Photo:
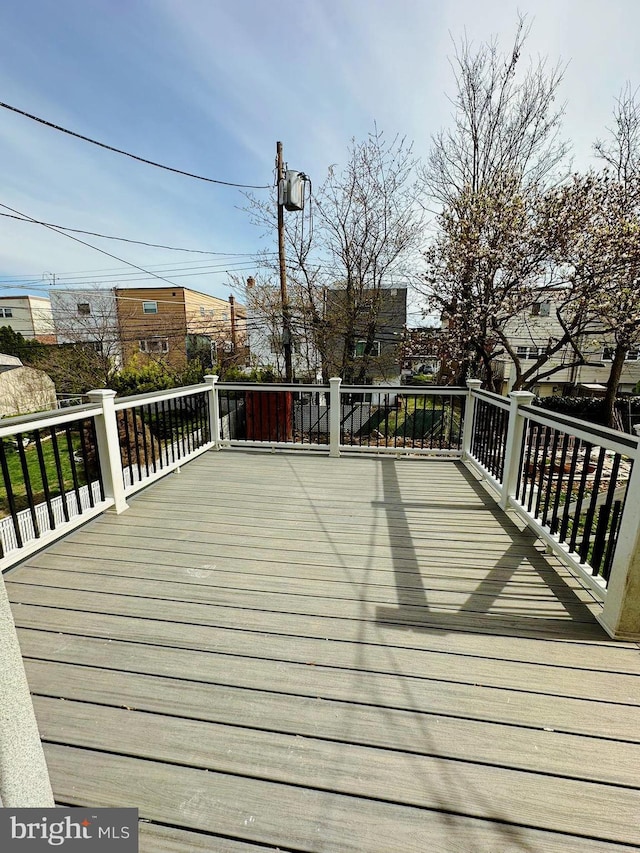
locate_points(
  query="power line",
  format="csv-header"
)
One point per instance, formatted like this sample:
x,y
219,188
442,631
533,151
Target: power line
x,y
121,239
127,154
84,243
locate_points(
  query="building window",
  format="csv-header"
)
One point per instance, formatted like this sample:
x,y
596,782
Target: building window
x,y
84,309
6,312
202,310
149,307
541,309
631,355
361,346
529,352
154,346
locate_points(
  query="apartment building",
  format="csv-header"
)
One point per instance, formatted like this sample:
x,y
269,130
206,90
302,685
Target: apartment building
x,y
529,334
31,316
175,324
89,317
167,324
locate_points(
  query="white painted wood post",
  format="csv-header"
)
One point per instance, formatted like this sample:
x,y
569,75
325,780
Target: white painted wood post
x,y
335,410
513,443
109,447
620,615
24,778
214,410
470,405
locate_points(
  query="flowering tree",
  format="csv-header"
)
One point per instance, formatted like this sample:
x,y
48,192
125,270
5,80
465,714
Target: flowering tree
x,y
489,259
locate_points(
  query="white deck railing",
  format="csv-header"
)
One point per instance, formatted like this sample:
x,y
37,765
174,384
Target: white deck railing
x,y
577,486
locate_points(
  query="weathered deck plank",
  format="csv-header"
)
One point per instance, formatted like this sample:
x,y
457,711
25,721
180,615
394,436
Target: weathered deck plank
x,y
275,651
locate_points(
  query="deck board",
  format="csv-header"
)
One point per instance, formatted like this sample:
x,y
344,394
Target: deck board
x,y
285,651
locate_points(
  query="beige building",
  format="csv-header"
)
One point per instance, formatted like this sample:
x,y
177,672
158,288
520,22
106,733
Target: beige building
x,y
529,335
174,324
31,316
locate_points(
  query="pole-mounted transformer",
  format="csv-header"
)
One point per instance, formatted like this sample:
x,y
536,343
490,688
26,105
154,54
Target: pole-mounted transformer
x,y
292,190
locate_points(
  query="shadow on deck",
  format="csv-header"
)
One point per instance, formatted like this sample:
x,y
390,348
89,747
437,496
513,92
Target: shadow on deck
x,y
290,652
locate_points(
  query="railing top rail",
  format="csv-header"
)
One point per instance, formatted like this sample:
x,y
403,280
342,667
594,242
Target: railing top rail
x,y
155,396
601,436
451,390
495,399
27,423
270,386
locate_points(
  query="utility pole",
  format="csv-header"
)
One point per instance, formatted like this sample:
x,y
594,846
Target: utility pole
x,y
232,316
286,315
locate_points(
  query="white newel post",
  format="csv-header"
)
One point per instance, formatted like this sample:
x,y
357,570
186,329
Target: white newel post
x,y
24,778
470,405
620,615
515,429
214,410
334,416
109,447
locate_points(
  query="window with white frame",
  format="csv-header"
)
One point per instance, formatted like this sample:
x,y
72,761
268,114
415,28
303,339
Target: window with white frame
x,y
361,346
529,352
541,309
149,307
631,355
154,346
6,312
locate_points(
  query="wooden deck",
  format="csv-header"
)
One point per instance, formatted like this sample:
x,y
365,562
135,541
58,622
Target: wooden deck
x,y
297,653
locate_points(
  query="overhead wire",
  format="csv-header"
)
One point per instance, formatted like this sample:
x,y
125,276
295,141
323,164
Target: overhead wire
x,y
104,145
121,239
90,246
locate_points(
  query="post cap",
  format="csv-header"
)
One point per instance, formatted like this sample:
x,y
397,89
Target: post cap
x,y
101,394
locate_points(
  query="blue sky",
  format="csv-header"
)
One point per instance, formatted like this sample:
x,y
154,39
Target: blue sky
x,y
210,85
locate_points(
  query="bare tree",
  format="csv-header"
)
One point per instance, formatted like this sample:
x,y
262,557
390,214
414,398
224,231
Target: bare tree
x,y
366,233
490,259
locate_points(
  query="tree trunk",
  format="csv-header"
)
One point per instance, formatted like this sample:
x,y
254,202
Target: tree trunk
x,y
612,384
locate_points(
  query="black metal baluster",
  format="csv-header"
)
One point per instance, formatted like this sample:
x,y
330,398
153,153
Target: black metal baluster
x,y
527,447
26,479
163,431
613,539
136,438
564,526
179,412
74,473
600,538
145,449
124,414
553,468
94,439
157,433
56,456
11,500
172,430
44,479
555,517
580,496
543,470
85,462
534,473
521,461
588,522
